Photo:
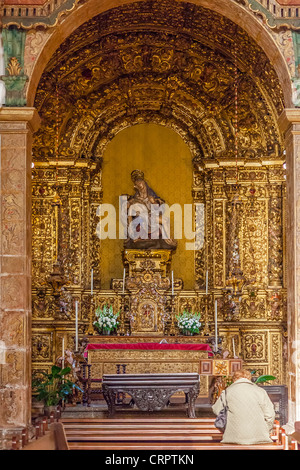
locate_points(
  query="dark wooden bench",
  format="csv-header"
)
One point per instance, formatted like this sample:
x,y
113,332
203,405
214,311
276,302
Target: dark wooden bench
x,y
154,434
151,392
54,439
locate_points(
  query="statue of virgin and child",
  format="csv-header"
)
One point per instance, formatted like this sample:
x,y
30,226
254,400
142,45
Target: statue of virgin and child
x,y
145,218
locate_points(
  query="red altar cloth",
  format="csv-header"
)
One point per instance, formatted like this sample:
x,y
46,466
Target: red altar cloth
x,y
184,347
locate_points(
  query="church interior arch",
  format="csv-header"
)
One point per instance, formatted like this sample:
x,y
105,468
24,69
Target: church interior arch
x,y
179,69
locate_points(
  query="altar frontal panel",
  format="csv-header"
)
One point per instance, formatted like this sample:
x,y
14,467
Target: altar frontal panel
x,y
148,362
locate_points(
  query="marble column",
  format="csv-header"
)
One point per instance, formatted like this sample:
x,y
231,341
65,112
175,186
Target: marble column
x,y
17,126
289,123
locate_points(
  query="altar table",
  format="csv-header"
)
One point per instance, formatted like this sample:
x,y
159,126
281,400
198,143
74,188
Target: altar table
x,y
151,392
148,358
150,346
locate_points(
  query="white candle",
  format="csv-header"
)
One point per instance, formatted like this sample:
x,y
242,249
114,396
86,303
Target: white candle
x,y
216,325
172,283
92,281
233,347
124,281
206,282
63,354
76,325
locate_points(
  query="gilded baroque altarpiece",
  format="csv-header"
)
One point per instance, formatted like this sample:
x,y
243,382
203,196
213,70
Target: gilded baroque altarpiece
x,y
106,78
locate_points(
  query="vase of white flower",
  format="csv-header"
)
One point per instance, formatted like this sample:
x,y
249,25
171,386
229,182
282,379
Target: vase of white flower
x,y
187,332
189,323
106,331
107,320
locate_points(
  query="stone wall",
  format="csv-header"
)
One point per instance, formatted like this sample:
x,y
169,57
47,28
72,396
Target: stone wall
x,y
16,128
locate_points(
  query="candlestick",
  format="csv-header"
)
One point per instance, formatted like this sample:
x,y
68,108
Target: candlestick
x,y
216,325
76,325
172,283
172,330
63,354
206,283
91,330
92,281
206,329
63,357
124,281
121,329
233,347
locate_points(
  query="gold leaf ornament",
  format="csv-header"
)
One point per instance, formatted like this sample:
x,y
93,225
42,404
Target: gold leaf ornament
x,y
14,67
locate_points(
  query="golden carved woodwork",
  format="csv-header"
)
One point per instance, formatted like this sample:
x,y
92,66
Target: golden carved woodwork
x,y
42,345
172,66
220,368
126,79
111,339
14,67
148,286
148,361
140,261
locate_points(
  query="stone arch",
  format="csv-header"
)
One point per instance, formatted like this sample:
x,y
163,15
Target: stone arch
x,y
228,8
112,74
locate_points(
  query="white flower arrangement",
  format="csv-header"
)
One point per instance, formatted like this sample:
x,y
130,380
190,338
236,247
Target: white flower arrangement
x,y
189,321
107,320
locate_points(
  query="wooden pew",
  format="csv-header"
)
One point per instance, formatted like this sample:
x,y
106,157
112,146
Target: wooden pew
x,y
151,434
113,446
52,439
151,392
295,436
157,433
287,441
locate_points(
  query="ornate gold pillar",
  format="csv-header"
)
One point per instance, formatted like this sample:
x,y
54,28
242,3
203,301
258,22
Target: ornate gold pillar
x,y
289,123
16,128
275,267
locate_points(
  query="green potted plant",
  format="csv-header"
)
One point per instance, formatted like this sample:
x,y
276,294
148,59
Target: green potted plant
x,y
54,387
262,379
107,320
189,323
